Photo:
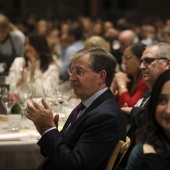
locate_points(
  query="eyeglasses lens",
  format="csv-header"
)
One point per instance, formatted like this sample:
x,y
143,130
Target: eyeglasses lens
x,y
147,61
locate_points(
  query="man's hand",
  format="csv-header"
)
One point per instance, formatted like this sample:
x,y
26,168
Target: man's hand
x,y
41,115
127,110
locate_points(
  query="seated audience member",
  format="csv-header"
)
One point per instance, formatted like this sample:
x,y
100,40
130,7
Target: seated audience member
x,y
42,27
96,41
54,42
130,85
165,34
153,152
11,42
88,141
148,34
37,71
75,43
125,39
98,28
154,61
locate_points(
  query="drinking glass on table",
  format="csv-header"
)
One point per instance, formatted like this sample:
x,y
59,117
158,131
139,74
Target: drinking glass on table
x,y
14,120
7,101
60,101
23,98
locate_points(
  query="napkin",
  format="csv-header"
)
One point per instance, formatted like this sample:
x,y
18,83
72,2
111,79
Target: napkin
x,y
19,136
22,135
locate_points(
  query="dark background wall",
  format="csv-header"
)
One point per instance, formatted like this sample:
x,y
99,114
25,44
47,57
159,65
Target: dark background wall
x,y
105,9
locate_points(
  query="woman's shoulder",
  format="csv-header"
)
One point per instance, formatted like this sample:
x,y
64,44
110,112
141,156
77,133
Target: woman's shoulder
x,y
147,148
137,150
17,63
135,158
17,34
154,161
53,66
144,157
53,69
19,60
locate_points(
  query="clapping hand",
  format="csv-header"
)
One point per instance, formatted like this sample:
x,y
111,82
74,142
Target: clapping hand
x,y
41,115
24,72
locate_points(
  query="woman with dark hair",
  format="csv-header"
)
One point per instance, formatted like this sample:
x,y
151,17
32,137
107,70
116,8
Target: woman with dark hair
x,y
154,150
130,85
37,71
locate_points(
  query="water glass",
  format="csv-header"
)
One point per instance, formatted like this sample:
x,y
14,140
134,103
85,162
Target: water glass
x,y
14,122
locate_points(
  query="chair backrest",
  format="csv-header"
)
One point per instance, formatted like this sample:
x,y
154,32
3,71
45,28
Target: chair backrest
x,y
117,154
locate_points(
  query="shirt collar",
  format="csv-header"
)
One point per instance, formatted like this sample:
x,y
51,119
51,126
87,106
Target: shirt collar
x,y
92,98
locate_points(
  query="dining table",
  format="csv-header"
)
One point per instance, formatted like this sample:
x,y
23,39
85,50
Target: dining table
x,y
19,149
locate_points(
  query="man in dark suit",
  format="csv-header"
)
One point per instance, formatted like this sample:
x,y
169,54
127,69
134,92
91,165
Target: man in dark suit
x,y
86,143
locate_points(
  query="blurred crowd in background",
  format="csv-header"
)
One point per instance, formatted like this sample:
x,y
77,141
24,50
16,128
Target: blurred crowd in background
x,y
35,54
67,36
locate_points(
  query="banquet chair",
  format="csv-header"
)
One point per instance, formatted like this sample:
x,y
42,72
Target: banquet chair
x,y
118,154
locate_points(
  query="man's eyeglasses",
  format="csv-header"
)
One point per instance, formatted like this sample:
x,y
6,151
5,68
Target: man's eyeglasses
x,y
148,61
78,71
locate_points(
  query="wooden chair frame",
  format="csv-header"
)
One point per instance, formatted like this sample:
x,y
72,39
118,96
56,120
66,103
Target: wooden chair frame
x,y
118,153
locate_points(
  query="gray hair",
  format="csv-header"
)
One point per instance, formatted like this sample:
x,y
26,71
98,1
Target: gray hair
x,y
163,49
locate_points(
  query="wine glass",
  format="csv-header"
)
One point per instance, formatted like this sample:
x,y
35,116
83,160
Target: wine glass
x,y
60,100
7,101
23,98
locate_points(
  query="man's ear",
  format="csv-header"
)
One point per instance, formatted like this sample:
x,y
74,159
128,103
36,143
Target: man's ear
x,y
168,63
102,77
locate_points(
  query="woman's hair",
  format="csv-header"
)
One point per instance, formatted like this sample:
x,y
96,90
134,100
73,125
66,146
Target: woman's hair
x,y
152,133
166,30
137,49
5,24
96,41
40,44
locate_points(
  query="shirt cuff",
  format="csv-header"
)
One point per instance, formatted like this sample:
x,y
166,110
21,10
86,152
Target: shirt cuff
x,y
49,130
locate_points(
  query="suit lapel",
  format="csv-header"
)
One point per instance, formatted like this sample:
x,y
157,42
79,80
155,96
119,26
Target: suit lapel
x,y
106,95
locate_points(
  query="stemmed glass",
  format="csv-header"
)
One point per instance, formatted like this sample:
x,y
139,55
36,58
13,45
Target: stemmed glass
x,y
23,98
7,101
60,101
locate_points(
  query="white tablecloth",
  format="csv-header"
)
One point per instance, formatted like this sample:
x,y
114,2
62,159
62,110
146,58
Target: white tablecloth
x,y
19,150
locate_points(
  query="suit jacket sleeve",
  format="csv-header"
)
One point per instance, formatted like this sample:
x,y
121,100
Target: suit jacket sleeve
x,y
89,144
